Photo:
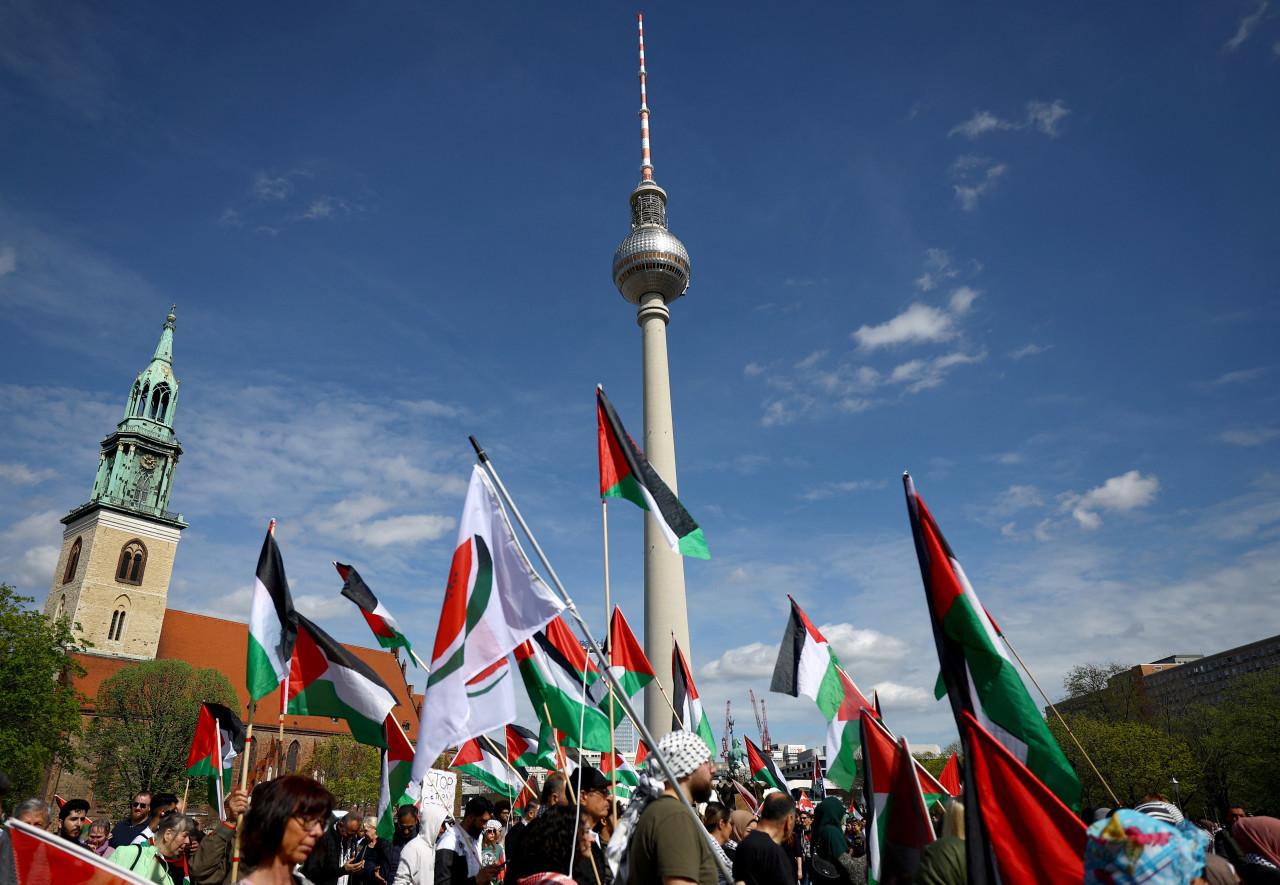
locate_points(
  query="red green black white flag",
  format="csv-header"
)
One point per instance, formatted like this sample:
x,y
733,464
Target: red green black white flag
x,y
218,739
763,768
626,473
385,628
272,629
684,697
327,680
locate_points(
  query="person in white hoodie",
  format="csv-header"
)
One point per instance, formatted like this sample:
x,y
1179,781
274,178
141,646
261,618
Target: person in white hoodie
x,y
418,860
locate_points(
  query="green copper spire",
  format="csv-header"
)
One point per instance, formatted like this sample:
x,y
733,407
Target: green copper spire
x,y
135,471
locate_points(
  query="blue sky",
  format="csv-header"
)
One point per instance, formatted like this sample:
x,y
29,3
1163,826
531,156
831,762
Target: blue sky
x,y
1027,253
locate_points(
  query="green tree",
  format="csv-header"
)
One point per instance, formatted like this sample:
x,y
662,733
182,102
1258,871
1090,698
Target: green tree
x,y
145,720
351,771
1246,732
1106,692
41,721
1135,758
934,763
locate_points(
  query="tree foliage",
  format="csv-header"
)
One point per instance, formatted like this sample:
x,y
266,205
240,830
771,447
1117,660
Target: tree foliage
x,y
41,719
351,771
1136,759
1246,736
146,719
1106,692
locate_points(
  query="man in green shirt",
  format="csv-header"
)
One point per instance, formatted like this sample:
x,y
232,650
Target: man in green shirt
x,y
669,846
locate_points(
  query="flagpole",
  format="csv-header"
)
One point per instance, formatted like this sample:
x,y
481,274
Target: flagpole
x,y
244,785
645,734
284,686
488,740
186,791
608,644
413,654
1074,739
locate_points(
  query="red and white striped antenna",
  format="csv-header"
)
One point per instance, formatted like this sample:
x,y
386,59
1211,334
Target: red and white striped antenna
x,y
646,164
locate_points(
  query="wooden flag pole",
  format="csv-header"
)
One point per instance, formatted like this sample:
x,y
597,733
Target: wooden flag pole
x,y
488,740
564,759
608,644
244,785
186,791
662,691
414,655
1074,739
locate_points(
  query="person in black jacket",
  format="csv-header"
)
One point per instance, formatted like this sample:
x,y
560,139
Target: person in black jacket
x,y
334,861
458,851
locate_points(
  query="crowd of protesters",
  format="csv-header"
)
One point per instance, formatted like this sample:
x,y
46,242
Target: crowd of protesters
x,y
574,833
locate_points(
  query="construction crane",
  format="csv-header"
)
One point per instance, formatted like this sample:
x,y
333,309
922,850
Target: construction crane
x,y
755,708
764,734
726,741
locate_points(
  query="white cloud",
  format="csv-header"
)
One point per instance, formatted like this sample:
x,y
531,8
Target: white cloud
x,y
852,645
1029,350
937,269
270,188
753,661
1254,436
8,261
1017,497
975,176
919,323
892,695
1240,376
22,475
980,123
752,369
1245,30
412,528
1118,494
1046,117
831,489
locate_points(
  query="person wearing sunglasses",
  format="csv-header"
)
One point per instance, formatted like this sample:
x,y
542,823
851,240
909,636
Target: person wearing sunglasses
x,y
130,828
285,821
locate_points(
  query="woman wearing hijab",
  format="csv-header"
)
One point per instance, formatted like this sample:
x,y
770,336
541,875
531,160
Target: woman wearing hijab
x,y
830,844
1259,839
418,859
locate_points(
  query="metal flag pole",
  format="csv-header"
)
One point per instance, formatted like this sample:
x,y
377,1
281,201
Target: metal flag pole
x,y
1074,739
608,644
595,648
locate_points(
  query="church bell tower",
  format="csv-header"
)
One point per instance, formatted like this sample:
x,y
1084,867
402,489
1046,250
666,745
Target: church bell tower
x,y
117,552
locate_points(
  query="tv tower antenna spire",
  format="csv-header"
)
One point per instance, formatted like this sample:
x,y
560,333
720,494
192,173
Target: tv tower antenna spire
x,y
646,161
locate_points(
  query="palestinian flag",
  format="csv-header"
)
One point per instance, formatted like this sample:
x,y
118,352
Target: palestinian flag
x,y
385,628
565,686
819,784
950,777
530,791
626,473
481,759
979,676
807,665
272,630
1031,834
932,791
218,739
747,797
615,767
397,774
642,755
525,748
327,680
627,661
684,697
764,769
899,828
494,601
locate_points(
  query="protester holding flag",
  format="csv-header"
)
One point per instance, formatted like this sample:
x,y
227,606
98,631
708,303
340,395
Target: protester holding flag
x,y
212,862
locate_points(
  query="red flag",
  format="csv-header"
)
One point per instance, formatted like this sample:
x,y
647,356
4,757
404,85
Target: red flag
x,y
804,803
747,797
1033,835
950,777
529,792
40,856
898,826
625,651
642,752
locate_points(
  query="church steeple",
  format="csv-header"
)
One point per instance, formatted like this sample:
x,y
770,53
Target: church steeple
x,y
136,469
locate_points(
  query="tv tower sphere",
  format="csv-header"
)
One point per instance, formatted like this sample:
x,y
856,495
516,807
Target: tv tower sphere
x,y
651,259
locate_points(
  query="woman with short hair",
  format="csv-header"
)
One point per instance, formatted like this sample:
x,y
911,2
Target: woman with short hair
x,y
284,823
96,840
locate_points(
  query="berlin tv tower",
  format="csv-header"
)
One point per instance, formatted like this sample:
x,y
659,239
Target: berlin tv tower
x,y
651,269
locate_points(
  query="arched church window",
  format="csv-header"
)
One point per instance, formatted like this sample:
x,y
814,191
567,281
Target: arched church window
x,y
116,631
133,563
73,562
159,402
142,402
291,762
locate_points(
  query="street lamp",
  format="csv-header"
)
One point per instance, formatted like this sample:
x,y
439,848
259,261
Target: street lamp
x,y
1173,782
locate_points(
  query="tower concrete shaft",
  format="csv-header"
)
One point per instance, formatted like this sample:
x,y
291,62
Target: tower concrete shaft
x,y
665,609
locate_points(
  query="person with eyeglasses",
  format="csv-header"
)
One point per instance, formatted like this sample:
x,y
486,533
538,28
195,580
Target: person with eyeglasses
x,y
285,822
596,802
161,804
129,829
